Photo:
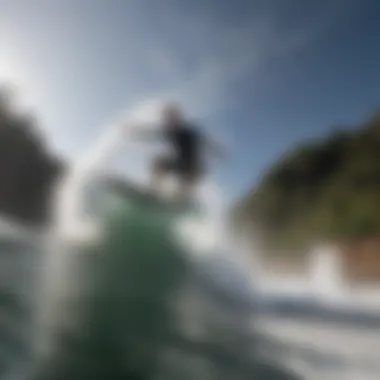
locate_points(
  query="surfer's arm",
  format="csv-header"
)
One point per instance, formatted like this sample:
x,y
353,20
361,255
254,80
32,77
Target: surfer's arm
x,y
144,133
216,148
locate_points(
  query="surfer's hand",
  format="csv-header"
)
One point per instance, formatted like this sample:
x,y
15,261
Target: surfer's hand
x,y
141,132
217,149
131,131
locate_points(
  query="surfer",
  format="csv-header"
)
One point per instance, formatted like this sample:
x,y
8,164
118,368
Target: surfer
x,y
188,143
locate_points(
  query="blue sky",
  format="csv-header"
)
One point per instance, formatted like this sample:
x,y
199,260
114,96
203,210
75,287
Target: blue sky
x,y
263,74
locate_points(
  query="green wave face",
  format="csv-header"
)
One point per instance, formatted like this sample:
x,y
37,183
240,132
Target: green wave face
x,y
112,313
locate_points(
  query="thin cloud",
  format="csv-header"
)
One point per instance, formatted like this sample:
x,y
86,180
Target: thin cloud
x,y
200,65
202,68
193,52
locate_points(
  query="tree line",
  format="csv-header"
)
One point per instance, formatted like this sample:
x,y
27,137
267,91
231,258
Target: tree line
x,y
27,170
327,190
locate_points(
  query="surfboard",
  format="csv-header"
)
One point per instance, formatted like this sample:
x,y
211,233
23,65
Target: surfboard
x,y
141,194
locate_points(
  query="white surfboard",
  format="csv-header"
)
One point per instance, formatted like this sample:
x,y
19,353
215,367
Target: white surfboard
x,y
147,196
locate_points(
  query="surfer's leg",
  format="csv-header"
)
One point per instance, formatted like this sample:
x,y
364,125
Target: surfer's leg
x,y
189,179
161,167
185,189
157,173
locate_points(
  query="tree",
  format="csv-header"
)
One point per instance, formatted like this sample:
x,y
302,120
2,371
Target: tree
x,y
27,170
326,190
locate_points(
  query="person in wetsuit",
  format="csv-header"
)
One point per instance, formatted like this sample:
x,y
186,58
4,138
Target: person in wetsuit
x,y
189,146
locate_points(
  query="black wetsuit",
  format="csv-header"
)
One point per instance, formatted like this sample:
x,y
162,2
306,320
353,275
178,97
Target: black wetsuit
x,y
187,143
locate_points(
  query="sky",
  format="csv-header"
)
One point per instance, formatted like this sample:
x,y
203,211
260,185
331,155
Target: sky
x,y
262,75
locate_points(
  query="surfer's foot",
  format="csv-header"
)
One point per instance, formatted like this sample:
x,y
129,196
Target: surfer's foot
x,y
180,198
156,180
183,194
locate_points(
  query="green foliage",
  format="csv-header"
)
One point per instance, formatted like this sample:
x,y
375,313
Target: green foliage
x,y
27,171
329,190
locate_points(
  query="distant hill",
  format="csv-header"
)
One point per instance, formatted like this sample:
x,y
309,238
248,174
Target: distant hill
x,y
327,190
27,170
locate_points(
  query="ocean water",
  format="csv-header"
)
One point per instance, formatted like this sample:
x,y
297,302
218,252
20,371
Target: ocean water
x,y
206,338
133,306
318,349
